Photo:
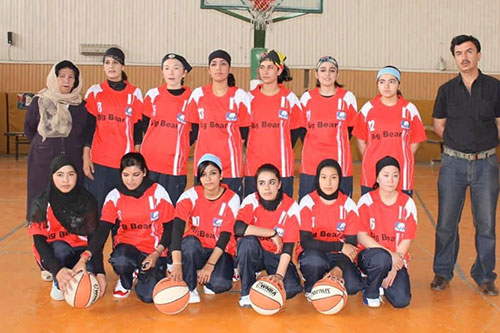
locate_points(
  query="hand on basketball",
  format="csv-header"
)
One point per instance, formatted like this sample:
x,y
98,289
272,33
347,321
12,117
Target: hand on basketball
x,y
350,251
278,242
335,274
389,279
397,260
64,276
276,278
150,261
176,272
101,279
88,166
205,273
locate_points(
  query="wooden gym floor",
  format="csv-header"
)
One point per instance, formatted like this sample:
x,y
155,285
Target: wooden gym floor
x,y
27,307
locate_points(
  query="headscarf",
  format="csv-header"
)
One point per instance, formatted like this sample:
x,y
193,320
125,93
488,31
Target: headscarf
x,y
181,59
270,205
135,159
219,54
275,57
75,210
321,165
391,70
55,118
382,163
329,59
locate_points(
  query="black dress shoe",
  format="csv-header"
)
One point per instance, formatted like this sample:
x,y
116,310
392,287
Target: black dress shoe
x,y
489,288
439,283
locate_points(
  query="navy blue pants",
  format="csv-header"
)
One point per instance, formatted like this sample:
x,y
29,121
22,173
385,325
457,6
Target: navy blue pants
x,y
376,263
125,259
286,185
175,185
253,258
195,256
307,185
105,179
314,264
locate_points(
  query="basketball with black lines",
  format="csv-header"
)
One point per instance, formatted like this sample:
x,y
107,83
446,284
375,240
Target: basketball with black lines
x,y
267,297
83,292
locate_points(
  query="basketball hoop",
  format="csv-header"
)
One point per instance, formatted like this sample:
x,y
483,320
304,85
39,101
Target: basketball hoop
x,y
261,11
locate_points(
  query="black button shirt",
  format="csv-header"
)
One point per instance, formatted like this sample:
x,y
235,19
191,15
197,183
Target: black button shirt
x,y
470,117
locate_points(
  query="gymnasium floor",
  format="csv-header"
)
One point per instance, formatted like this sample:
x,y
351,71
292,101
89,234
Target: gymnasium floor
x,y
27,307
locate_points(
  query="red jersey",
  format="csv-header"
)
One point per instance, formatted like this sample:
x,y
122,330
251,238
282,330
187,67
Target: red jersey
x,y
388,225
269,138
328,223
141,219
206,219
327,120
389,130
285,219
54,231
166,142
220,119
116,113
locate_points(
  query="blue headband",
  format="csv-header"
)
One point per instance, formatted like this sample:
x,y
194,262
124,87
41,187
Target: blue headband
x,y
391,71
210,158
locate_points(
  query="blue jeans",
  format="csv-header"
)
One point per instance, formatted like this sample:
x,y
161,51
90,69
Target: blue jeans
x,y
455,176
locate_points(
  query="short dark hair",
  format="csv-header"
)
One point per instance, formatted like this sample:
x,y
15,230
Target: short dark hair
x,y
133,159
460,39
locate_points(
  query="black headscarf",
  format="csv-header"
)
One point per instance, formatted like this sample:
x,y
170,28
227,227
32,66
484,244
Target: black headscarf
x,y
321,165
139,191
219,54
75,210
178,57
134,159
382,163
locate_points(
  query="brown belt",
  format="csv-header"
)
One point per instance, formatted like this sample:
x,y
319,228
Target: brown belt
x,y
469,156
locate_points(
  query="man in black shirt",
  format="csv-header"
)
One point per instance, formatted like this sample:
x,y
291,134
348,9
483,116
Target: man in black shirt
x,y
467,116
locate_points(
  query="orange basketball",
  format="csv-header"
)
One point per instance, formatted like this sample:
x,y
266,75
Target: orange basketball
x,y
170,297
84,291
328,296
267,297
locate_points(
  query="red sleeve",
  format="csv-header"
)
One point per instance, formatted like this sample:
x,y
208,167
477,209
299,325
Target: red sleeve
x,y
245,214
137,107
306,219
364,219
36,228
230,214
291,234
297,119
183,209
91,104
351,116
167,211
147,108
192,112
360,131
411,228
417,133
109,211
352,223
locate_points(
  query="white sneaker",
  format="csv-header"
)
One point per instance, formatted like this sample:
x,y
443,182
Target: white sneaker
x,y
46,276
381,291
308,296
194,297
208,291
236,275
120,291
371,302
56,293
245,301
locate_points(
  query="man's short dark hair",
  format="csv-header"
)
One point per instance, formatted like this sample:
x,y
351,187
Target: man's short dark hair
x,y
457,40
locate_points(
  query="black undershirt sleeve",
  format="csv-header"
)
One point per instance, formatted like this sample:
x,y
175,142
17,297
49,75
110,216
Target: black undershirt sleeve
x,y
239,228
98,239
193,135
296,134
343,262
288,248
177,233
351,239
308,242
47,258
349,130
244,135
138,132
89,130
166,237
223,240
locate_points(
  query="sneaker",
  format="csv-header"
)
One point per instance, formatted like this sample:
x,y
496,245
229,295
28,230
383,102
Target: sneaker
x,y
308,296
208,291
135,275
381,291
46,276
236,275
120,291
245,301
194,297
56,293
371,302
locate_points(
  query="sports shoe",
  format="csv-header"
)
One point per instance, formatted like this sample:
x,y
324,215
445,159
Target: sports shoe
x,y
371,302
245,301
208,291
46,276
194,297
236,275
308,296
56,293
120,291
381,291
135,275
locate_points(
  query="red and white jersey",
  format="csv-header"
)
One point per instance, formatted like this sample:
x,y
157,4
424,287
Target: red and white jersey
x,y
166,142
389,130
285,219
54,231
206,219
141,219
328,223
220,119
388,225
116,113
269,138
327,120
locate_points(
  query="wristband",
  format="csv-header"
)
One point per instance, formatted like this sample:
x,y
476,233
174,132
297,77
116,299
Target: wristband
x,y
86,254
177,263
275,233
209,263
281,276
159,253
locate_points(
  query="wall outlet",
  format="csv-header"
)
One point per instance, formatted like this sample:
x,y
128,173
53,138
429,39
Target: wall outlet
x,y
9,37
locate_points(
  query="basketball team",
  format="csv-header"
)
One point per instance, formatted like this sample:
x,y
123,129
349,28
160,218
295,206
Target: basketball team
x,y
116,163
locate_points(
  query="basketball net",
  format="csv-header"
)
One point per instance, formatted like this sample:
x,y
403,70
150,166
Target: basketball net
x,y
261,11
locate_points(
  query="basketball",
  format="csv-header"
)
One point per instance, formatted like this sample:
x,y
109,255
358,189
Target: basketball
x,y
84,291
328,296
267,297
170,297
